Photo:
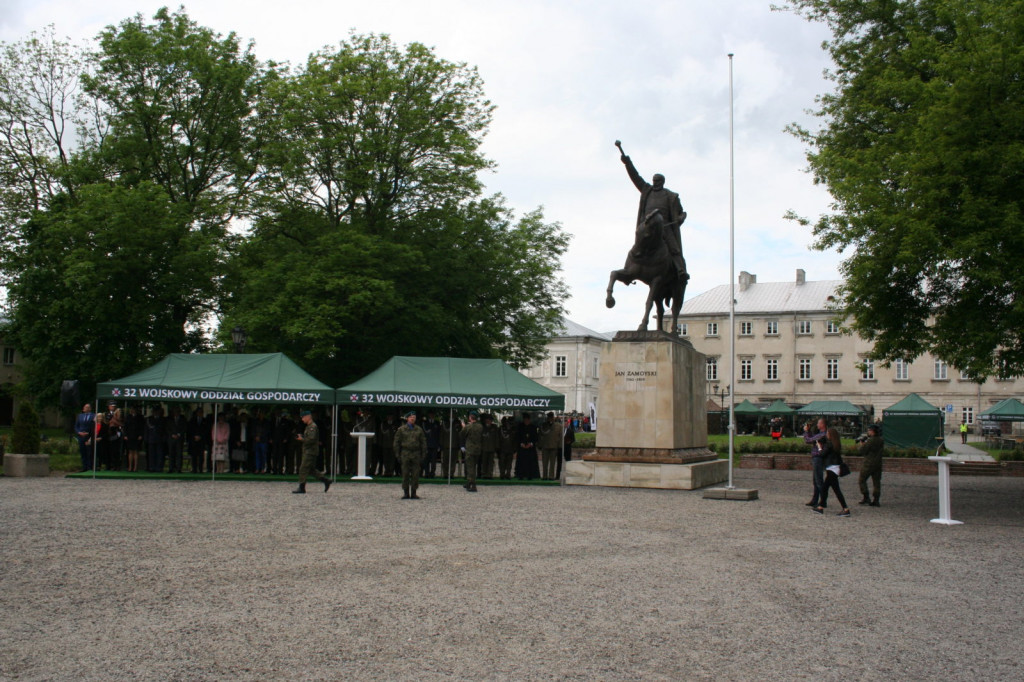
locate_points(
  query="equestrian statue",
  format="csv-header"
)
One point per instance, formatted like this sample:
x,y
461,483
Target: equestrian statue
x,y
656,258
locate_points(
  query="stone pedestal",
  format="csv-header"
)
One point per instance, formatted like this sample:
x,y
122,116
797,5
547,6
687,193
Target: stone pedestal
x,y
26,465
652,395
652,430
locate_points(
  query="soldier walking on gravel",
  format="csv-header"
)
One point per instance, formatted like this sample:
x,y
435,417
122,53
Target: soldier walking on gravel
x,y
310,439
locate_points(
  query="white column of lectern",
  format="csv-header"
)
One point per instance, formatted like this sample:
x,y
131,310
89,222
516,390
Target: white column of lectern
x,y
361,470
944,514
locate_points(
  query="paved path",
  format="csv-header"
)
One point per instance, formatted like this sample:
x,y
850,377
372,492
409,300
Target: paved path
x,y
965,453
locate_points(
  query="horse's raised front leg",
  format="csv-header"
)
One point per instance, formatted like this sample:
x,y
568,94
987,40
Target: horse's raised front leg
x,y
616,276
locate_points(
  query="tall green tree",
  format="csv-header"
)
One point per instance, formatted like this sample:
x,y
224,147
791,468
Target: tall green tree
x,y
119,258
374,239
922,149
96,297
45,119
181,102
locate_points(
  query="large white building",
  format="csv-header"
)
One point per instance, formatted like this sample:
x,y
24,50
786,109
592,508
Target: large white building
x,y
572,366
790,346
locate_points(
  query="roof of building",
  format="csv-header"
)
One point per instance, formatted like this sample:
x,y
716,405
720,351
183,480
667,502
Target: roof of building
x,y
765,297
570,329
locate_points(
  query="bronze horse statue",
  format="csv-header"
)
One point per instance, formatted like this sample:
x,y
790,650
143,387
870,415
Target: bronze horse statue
x,y
650,262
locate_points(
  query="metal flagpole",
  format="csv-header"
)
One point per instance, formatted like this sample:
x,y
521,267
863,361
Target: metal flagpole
x,y
732,283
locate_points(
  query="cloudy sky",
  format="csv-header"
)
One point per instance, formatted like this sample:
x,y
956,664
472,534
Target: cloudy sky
x,y
569,78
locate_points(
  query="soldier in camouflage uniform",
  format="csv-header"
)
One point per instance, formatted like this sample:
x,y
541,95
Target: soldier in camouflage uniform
x,y
310,442
550,445
410,447
872,451
472,444
489,445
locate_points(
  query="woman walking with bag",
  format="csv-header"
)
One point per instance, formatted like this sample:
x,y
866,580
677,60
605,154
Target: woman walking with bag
x,y
832,459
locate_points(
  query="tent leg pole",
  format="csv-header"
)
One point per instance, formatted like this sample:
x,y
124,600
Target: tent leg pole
x,y
334,444
213,440
95,445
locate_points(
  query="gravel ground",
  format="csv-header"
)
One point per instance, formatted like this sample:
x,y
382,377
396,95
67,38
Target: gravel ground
x,y
172,580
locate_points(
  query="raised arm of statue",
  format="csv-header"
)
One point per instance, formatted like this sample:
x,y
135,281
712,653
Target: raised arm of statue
x,y
638,181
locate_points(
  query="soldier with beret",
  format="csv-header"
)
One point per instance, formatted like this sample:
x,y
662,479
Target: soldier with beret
x,y
410,447
309,440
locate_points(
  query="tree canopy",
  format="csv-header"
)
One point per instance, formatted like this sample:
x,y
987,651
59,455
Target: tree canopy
x,y
164,185
922,149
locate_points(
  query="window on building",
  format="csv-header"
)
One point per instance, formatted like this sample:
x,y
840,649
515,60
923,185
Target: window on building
x,y
561,366
712,369
964,376
772,328
941,370
902,368
771,369
597,368
831,327
967,415
803,327
683,328
8,356
832,369
746,328
867,372
746,369
712,329
804,368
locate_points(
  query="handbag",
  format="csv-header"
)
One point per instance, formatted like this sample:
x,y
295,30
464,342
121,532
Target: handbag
x,y
844,469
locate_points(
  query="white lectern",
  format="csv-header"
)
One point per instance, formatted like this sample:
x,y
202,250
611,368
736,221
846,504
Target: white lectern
x,y
361,465
944,517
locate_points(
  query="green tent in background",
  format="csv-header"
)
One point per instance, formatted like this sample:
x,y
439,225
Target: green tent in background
x,y
456,383
1008,410
747,407
912,423
831,408
778,409
268,378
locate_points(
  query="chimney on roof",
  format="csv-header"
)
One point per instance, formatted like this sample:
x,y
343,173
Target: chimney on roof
x,y
801,276
746,279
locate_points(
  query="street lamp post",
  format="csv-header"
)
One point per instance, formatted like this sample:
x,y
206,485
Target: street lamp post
x,y
239,337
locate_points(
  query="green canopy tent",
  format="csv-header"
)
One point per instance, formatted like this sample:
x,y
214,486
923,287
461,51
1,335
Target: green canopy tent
x,y
450,383
1008,410
747,408
258,378
912,423
778,409
830,408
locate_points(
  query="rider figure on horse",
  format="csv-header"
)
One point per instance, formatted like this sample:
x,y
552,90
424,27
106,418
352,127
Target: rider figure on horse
x,y
655,196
